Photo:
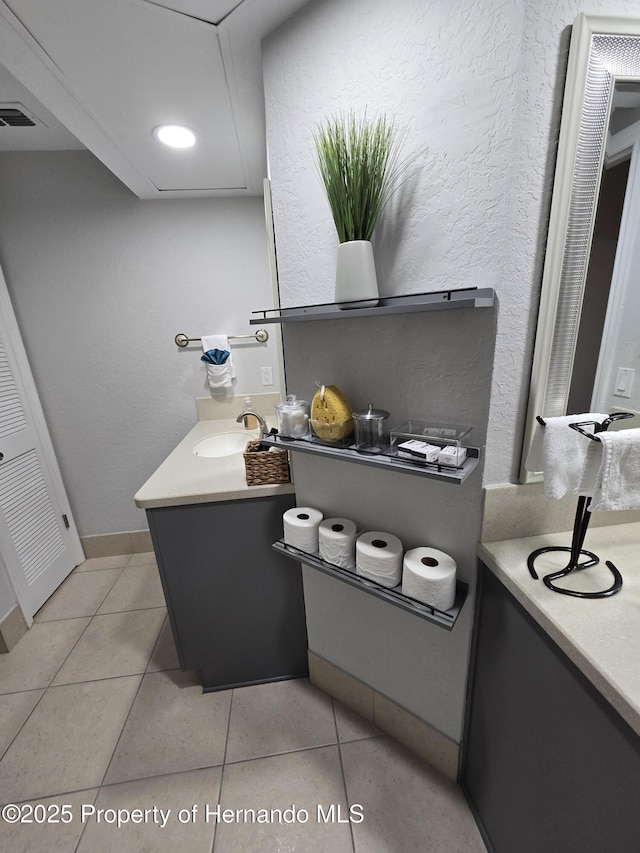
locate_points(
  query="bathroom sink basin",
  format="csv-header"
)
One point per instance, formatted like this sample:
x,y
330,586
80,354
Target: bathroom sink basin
x,y
224,444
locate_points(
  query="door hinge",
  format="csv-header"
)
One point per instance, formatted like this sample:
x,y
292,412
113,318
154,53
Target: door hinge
x,y
66,521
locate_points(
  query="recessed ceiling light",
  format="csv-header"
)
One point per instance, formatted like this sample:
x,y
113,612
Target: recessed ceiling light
x,y
175,135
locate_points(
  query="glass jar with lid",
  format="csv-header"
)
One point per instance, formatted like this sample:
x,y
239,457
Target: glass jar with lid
x,y
372,432
293,417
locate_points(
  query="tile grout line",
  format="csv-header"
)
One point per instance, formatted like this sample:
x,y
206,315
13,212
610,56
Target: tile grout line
x,y
46,688
224,764
84,828
344,780
24,722
115,580
90,616
126,720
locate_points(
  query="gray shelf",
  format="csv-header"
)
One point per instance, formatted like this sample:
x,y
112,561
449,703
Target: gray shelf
x,y
456,476
441,300
443,618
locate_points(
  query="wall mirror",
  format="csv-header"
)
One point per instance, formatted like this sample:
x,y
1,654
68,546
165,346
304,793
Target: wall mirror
x,y
587,348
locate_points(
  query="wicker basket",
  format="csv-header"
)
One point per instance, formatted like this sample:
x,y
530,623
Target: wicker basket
x,y
263,467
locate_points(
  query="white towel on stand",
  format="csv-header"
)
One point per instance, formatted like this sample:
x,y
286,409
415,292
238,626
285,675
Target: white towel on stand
x,y
219,375
591,470
564,453
618,485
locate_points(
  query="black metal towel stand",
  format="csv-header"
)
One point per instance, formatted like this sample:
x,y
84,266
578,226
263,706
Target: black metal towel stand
x,y
580,525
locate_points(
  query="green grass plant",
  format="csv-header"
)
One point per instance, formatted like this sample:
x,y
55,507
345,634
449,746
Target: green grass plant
x,y
360,166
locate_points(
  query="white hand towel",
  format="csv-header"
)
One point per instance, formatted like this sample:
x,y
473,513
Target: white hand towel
x,y
591,470
618,484
219,375
564,454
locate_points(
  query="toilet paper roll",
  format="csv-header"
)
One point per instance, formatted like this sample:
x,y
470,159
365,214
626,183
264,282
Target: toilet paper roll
x,y
301,528
337,542
429,576
379,558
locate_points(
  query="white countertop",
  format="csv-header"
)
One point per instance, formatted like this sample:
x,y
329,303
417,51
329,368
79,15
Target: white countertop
x,y
184,478
601,636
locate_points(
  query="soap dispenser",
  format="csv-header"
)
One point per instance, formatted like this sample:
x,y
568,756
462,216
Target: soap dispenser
x,y
250,421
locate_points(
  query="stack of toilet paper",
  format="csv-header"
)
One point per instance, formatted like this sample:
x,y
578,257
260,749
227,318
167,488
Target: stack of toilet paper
x,y
337,542
379,558
429,576
301,528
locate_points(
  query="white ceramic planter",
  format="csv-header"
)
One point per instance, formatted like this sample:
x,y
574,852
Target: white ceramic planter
x,y
356,275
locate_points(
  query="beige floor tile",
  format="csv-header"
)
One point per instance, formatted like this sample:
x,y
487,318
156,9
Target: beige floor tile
x,y
164,655
270,718
172,726
175,794
34,661
307,779
137,588
95,564
60,837
351,726
67,742
146,558
14,710
113,645
407,805
79,595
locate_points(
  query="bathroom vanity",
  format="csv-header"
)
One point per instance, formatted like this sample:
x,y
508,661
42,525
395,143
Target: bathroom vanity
x,y
553,722
236,607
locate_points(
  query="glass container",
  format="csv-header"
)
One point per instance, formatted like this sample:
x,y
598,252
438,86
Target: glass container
x,y
293,417
372,433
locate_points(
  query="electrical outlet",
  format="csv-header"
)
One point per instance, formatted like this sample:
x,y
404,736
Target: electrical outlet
x,y
267,375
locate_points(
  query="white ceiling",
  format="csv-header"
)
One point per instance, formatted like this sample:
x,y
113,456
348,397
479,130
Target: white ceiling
x,y
102,74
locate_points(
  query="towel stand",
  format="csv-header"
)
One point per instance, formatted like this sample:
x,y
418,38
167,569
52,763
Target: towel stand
x,y
580,525
262,336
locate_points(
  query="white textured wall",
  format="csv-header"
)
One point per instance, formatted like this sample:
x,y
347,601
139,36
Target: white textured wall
x,y
480,83
419,61
542,65
101,282
448,77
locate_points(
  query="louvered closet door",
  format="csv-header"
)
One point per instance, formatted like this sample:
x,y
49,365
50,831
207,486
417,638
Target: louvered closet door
x,y
36,546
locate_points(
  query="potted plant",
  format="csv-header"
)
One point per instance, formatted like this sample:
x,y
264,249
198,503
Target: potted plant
x,y
360,166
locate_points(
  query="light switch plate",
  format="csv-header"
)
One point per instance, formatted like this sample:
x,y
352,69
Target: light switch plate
x,y
624,382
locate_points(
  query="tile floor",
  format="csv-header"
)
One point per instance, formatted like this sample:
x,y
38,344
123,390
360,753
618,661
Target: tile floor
x,y
98,725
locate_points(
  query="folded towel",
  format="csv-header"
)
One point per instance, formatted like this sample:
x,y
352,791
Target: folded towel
x,y
564,454
215,356
219,375
618,485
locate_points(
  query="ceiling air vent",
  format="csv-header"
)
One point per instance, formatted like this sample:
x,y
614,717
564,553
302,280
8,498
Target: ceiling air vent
x,y
15,115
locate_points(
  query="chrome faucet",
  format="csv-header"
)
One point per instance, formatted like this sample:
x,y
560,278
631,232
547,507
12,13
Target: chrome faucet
x,y
263,426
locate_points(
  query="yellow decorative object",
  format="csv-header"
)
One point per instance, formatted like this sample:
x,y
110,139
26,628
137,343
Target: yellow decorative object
x,y
331,415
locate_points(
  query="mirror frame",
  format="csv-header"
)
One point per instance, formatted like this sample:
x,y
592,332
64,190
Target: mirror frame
x,y
603,51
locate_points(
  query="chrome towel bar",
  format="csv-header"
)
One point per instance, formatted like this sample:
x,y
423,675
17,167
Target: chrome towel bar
x,y
262,336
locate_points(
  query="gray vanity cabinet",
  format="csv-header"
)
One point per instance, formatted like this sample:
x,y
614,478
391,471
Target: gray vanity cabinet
x,y
550,766
236,606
